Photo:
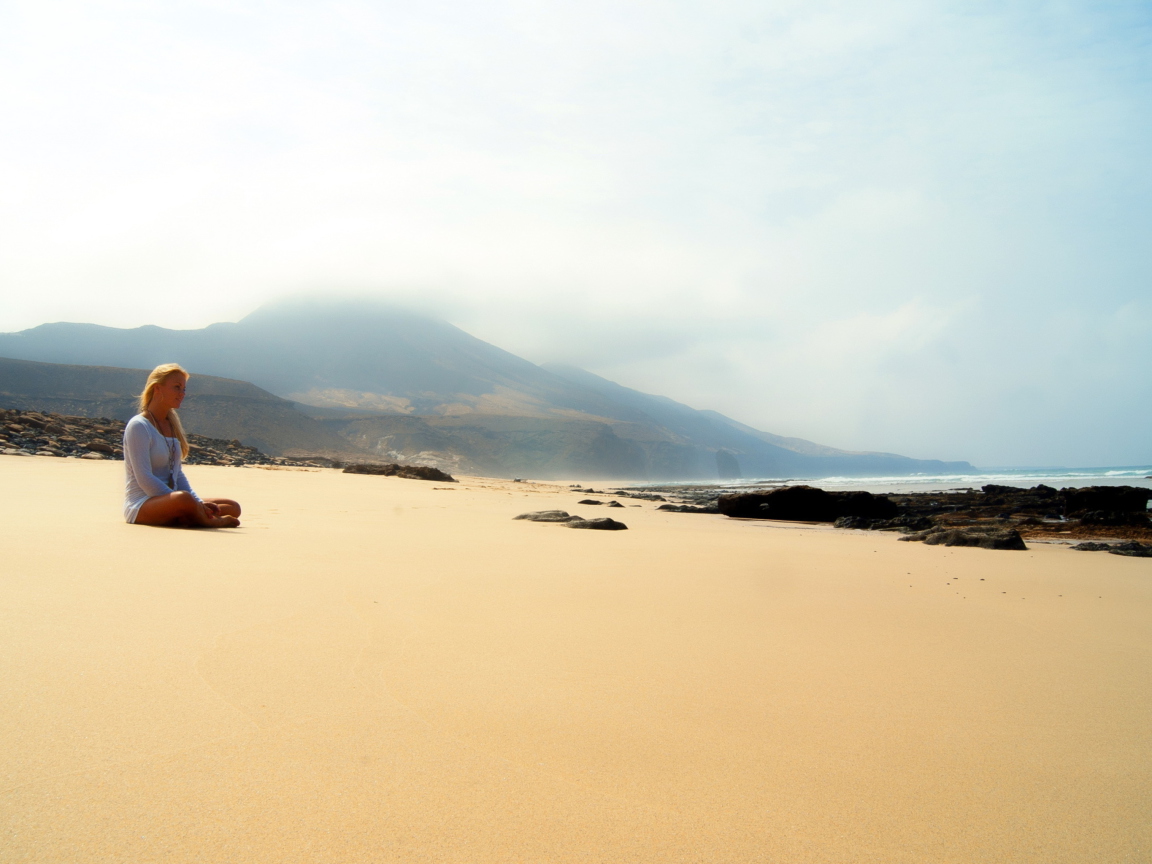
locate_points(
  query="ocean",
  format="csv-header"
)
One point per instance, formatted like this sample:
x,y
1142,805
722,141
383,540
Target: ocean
x,y
1140,475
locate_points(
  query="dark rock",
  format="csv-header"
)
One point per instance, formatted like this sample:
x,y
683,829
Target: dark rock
x,y
986,539
803,503
905,523
99,447
547,516
806,504
604,524
1112,499
1132,548
615,504
898,523
993,489
589,501
865,504
688,508
409,472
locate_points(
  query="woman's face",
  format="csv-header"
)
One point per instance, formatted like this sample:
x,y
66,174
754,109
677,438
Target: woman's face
x,y
169,393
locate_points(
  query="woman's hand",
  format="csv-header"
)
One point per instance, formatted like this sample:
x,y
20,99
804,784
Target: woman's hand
x,y
211,509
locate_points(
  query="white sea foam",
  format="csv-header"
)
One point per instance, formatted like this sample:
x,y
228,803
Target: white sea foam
x,y
1022,477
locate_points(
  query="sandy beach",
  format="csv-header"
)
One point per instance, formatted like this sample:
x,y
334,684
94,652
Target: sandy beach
x,y
374,669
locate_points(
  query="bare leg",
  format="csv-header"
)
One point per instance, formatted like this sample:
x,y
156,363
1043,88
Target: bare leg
x,y
227,506
180,508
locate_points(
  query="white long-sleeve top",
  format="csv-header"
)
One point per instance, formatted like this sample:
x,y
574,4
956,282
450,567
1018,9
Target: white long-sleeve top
x,y
150,461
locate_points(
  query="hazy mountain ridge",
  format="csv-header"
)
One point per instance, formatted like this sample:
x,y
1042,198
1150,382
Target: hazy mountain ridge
x,y
403,386
323,349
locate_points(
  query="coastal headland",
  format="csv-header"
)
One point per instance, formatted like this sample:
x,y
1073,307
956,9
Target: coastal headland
x,y
381,669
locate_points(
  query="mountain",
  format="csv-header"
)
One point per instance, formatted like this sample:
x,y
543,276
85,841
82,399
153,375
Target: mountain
x,y
404,386
329,354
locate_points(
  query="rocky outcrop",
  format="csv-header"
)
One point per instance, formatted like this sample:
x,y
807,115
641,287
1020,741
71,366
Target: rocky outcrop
x,y
1131,549
806,504
688,508
905,523
37,433
1107,499
408,472
985,539
1036,512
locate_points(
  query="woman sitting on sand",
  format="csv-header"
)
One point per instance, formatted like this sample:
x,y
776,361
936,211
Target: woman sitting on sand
x,y
157,491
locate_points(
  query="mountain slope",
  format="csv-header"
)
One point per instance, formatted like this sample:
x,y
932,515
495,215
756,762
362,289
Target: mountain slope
x,y
758,454
216,407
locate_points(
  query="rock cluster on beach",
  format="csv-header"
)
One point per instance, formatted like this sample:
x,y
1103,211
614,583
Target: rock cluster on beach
x,y
983,537
998,517
569,521
393,469
1131,548
1041,512
32,433
806,504
993,516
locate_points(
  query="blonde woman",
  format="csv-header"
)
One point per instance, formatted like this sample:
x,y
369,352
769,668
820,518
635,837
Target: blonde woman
x,y
155,446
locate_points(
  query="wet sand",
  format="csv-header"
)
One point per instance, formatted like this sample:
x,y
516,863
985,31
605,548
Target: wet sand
x,y
374,669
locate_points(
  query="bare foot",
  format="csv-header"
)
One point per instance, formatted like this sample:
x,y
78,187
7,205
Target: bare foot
x,y
224,522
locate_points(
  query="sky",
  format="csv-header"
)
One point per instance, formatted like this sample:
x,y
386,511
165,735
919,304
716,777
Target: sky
x,y
915,227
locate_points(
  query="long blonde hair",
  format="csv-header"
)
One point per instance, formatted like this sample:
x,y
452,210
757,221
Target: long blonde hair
x,y
158,376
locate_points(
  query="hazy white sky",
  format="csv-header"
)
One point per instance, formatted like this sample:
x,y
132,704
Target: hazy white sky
x,y
920,227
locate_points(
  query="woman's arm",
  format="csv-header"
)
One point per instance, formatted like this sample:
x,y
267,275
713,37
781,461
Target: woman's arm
x,y
137,444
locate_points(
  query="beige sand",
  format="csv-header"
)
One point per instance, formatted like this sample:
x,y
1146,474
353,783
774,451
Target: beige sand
x,y
377,670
